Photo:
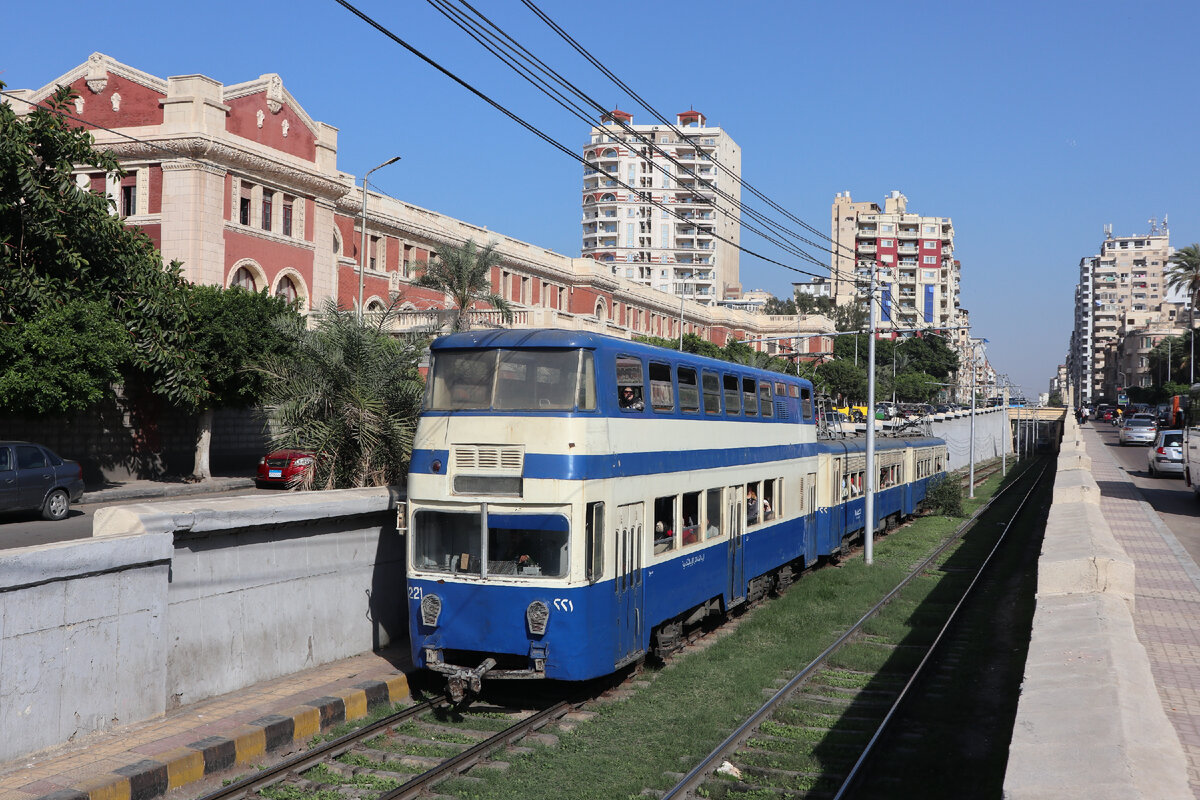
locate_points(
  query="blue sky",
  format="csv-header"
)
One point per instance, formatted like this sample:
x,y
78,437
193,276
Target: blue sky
x,y
1032,125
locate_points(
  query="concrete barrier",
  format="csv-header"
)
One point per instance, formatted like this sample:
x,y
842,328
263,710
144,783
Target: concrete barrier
x,y
1089,721
173,602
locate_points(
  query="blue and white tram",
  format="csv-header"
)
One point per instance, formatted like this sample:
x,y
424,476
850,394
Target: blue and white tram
x,y
576,500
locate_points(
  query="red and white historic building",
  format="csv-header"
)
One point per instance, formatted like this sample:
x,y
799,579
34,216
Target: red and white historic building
x,y
241,185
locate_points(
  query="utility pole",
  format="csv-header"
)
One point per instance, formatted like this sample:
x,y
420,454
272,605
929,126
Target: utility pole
x,y
869,478
362,249
974,361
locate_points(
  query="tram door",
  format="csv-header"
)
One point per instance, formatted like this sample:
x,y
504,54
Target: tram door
x,y
737,569
809,488
628,583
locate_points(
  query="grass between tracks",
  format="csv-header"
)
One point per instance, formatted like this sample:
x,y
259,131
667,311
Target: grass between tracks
x,y
694,702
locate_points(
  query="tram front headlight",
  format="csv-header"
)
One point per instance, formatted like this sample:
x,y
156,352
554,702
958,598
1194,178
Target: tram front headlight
x,y
431,609
537,616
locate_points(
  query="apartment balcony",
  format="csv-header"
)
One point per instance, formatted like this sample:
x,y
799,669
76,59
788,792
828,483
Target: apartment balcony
x,y
867,232
863,247
907,249
908,232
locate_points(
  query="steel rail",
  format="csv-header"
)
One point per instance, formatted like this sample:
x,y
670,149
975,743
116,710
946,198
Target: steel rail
x,y
852,776
475,753
693,778
311,758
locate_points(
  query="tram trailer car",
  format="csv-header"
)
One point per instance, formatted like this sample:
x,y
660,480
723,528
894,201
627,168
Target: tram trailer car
x,y
575,501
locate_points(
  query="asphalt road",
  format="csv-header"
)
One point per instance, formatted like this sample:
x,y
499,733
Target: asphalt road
x,y
25,529
1176,505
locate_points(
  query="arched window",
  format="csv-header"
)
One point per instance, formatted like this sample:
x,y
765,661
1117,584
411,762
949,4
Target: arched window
x,y
610,153
601,309
375,307
286,289
244,278
337,244
608,198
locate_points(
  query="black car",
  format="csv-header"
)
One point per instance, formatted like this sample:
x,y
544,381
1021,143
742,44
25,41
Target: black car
x,y
32,477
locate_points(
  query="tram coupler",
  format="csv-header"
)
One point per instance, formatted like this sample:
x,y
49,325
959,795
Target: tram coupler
x,y
462,681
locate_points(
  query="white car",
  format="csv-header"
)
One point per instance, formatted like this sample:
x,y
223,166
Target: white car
x,y
1165,456
1137,431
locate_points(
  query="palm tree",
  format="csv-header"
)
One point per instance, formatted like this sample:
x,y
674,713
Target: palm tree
x,y
1184,273
464,273
348,393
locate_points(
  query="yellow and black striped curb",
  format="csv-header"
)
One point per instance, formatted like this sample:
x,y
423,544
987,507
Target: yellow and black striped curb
x,y
153,777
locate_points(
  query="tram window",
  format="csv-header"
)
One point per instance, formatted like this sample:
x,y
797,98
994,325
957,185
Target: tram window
x,y
542,379
463,380
533,545
689,391
793,390
629,384
712,514
586,395
712,393
764,398
662,392
594,522
446,542
806,405
753,517
664,524
690,532
749,397
733,400
771,499
781,388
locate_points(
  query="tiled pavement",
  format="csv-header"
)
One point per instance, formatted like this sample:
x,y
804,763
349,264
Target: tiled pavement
x,y
1167,597
145,759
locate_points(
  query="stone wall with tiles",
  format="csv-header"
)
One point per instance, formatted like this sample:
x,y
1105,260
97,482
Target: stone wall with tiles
x,y
1089,722
170,603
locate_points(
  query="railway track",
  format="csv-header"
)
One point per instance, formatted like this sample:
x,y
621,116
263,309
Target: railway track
x,y
813,737
403,755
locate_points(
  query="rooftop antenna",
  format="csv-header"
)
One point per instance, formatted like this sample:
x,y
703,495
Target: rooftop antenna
x,y
1166,230
1154,226
1108,230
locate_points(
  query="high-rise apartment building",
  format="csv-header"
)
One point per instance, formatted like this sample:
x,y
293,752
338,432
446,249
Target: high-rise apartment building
x,y
668,217
1121,295
918,274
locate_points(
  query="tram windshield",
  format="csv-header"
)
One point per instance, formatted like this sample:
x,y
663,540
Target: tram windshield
x,y
518,545
512,380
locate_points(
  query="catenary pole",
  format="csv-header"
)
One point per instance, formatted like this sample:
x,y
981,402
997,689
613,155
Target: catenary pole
x,y
971,458
869,478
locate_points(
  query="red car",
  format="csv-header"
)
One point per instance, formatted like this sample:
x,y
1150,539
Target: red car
x,y
283,468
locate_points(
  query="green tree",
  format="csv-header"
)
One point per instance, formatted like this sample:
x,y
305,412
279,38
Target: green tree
x,y
781,307
350,394
464,272
915,387
1183,273
929,354
61,247
850,316
842,379
232,329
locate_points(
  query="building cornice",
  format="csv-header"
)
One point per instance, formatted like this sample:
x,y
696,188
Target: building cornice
x,y
220,156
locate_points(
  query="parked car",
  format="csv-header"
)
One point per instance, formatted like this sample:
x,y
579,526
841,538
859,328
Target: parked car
x,y
1166,454
283,468
33,477
1137,431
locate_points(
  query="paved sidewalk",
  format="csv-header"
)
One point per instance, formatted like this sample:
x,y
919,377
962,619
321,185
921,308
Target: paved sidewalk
x,y
133,489
1167,597
226,734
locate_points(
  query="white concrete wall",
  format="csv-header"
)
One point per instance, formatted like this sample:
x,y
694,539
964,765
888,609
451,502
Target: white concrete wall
x,y
173,602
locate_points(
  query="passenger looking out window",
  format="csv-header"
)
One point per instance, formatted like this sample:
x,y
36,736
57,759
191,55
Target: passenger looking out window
x,y
752,509
631,398
712,514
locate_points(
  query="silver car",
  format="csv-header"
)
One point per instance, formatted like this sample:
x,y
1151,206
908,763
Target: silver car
x,y
1165,456
1137,431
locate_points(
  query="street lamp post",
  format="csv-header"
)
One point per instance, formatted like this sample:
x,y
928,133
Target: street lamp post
x,y
362,249
869,478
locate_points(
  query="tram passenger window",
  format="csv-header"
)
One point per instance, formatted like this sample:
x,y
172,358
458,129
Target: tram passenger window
x,y
793,390
446,542
712,393
806,405
712,514
689,391
533,545
629,384
664,524
662,393
537,379
749,397
733,400
764,399
586,395
594,523
753,507
690,532
770,498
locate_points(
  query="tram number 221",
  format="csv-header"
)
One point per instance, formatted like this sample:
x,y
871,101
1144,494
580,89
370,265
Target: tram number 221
x,y
415,593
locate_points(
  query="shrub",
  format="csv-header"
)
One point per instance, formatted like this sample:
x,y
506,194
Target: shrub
x,y
945,497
